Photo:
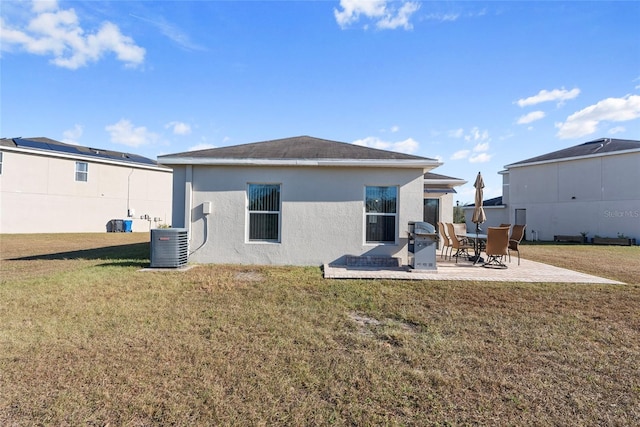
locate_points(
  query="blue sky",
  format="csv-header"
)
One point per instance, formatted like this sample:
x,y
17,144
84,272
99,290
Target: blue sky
x,y
477,85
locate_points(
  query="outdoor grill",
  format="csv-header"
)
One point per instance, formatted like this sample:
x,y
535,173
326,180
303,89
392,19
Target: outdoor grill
x,y
423,241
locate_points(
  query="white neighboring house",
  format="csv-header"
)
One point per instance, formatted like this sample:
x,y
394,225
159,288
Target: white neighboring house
x,y
299,201
48,186
591,188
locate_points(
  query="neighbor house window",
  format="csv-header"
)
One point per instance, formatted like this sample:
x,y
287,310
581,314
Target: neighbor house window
x,y
0,162
381,212
264,212
82,171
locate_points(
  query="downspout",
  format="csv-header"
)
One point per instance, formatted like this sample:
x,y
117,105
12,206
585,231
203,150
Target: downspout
x,y
129,194
188,200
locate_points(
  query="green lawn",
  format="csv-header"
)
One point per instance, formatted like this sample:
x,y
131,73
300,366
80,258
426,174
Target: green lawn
x,y
85,338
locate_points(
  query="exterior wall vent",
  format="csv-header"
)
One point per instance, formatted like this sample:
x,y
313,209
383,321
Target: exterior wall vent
x,y
169,247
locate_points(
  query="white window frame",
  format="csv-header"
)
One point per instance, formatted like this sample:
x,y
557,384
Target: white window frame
x,y
82,173
248,238
368,216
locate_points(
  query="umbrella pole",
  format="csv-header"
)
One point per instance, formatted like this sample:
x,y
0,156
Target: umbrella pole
x,y
477,245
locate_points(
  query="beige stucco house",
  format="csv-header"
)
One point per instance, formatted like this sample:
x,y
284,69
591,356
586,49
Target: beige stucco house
x,y
48,186
300,201
591,188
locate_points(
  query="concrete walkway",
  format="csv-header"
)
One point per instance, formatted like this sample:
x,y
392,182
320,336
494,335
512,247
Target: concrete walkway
x,y
527,271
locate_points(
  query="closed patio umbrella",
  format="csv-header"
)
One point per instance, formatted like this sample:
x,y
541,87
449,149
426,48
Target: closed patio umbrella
x,y
478,212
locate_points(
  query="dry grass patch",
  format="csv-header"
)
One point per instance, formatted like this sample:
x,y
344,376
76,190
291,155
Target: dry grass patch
x,y
620,263
93,341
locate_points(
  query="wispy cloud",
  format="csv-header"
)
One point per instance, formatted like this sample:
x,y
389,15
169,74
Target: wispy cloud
x,y
408,146
460,154
559,95
587,120
531,117
443,17
386,15
71,136
172,32
125,133
617,129
479,137
179,128
480,158
201,146
56,32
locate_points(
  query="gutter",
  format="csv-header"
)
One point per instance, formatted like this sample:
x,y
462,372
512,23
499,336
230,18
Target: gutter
x,y
568,159
389,163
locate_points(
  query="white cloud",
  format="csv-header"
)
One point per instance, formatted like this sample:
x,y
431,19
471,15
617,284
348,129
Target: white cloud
x,y
400,19
57,32
123,132
586,121
201,146
461,154
443,17
71,136
544,95
179,128
617,129
480,158
481,146
395,128
531,117
382,12
172,32
408,146
475,134
456,133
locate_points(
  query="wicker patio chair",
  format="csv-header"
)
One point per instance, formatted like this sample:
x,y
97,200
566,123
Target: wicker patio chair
x,y
497,246
460,244
514,240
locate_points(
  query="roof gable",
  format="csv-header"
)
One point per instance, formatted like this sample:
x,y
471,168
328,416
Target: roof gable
x,y
597,147
296,148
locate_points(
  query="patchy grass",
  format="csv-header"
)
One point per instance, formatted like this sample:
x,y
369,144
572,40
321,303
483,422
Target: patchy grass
x,y
620,263
85,338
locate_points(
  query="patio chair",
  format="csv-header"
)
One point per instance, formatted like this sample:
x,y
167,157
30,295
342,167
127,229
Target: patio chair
x,y
460,244
444,238
497,246
514,240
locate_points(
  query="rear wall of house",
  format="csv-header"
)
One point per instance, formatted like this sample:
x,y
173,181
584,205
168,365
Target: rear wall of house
x,y
322,217
39,194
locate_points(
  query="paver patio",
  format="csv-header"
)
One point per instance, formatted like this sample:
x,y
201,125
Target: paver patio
x,y
527,271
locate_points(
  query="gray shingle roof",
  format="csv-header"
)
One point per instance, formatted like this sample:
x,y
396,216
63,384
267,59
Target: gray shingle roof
x,y
591,148
296,148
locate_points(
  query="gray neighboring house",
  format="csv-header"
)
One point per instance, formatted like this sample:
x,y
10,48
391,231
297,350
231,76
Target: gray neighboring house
x,y
300,201
47,186
591,188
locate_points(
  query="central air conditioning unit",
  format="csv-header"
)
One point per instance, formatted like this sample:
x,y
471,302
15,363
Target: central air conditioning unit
x,y
169,247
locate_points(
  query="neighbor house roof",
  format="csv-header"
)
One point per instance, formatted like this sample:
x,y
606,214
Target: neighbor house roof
x,y
298,151
496,201
49,146
598,147
436,183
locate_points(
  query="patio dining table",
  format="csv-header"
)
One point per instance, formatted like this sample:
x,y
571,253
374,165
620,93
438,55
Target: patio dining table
x,y
477,239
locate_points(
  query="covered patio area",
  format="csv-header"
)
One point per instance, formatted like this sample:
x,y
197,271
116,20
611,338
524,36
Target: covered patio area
x,y
527,271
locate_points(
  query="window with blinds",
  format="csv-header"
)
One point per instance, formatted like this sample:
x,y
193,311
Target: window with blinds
x,y
82,171
381,214
264,212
